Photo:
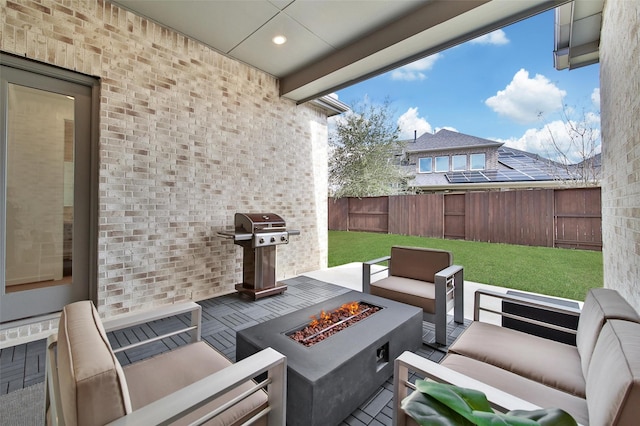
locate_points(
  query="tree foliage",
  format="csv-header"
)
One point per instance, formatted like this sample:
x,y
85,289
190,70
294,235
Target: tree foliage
x,y
363,149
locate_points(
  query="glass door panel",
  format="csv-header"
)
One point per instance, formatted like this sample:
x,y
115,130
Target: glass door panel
x,y
46,243
39,188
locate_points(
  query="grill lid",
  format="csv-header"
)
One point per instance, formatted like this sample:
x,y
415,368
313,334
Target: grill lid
x,y
259,222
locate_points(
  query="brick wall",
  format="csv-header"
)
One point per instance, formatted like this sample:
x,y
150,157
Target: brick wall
x,y
187,138
620,109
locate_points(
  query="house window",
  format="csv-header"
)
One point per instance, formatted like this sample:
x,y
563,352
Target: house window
x,y
477,161
442,164
425,165
459,162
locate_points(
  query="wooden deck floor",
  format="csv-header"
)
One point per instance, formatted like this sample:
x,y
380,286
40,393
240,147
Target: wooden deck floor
x,y
23,365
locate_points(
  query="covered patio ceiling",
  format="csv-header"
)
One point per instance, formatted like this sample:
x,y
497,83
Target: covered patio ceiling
x,y
333,44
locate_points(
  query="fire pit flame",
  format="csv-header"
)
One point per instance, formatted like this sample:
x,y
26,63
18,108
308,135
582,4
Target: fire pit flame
x,y
329,323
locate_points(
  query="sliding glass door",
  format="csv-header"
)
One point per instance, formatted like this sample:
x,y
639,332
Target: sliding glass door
x,y
46,175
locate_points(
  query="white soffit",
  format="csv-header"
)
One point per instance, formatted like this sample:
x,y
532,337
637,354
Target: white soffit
x,y
577,34
332,44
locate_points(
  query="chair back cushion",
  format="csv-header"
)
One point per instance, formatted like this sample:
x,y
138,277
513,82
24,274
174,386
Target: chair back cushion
x,y
613,382
600,305
418,263
93,390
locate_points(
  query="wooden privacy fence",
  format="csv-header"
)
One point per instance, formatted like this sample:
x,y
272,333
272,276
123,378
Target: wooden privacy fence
x,y
567,218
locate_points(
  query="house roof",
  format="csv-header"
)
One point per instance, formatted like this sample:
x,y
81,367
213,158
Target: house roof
x,y
333,44
447,139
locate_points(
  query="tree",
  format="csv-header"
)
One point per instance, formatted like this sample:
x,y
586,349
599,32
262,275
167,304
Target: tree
x,y
363,147
574,143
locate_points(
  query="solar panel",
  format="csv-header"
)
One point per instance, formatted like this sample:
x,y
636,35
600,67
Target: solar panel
x,y
457,177
488,176
536,168
520,168
515,166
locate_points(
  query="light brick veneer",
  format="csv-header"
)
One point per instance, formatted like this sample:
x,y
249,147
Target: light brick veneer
x,y
187,138
620,109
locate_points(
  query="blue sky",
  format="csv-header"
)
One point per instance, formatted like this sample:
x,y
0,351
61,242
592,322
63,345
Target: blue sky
x,y
502,86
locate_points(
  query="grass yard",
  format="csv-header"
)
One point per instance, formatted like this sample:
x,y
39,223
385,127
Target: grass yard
x,y
551,271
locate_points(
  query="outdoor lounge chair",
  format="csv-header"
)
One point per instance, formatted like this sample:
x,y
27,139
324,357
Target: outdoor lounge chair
x,y
194,383
421,277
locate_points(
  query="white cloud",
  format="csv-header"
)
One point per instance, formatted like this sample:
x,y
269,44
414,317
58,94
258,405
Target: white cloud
x,y
497,37
415,70
540,141
592,119
410,124
526,100
533,140
595,98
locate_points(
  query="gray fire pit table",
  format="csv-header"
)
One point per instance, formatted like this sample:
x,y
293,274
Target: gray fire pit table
x,y
327,381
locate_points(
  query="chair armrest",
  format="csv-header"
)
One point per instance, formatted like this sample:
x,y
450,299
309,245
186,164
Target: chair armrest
x,y
176,405
500,401
450,279
450,271
366,272
379,260
524,302
137,318
52,402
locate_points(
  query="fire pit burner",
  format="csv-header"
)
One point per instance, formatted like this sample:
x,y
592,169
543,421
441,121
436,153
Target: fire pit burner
x,y
329,323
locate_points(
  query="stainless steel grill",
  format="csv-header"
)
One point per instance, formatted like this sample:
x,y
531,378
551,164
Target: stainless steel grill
x,y
258,234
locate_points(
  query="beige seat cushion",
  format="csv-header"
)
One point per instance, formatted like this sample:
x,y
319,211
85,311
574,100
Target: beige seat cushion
x,y
546,361
613,382
93,389
601,304
406,290
529,390
156,377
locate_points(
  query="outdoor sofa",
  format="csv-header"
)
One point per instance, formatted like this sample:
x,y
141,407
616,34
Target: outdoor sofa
x,y
597,381
86,385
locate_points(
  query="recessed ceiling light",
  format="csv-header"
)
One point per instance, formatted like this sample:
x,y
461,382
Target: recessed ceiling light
x,y
279,39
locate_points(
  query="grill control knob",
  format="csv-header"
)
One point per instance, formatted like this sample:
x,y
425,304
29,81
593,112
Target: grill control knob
x,y
261,241
283,238
273,239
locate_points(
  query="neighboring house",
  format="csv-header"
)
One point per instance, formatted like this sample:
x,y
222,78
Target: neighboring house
x,y
449,160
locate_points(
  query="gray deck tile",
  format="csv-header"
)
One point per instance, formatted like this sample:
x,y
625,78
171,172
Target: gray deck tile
x,y
356,419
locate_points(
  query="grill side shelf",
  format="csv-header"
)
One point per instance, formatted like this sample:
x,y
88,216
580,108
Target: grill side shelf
x,y
237,236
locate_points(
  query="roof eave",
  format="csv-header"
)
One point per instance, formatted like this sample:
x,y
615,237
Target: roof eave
x,y
577,34
453,148
332,106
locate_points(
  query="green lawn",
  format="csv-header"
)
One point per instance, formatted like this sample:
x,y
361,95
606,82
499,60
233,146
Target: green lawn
x,y
551,271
